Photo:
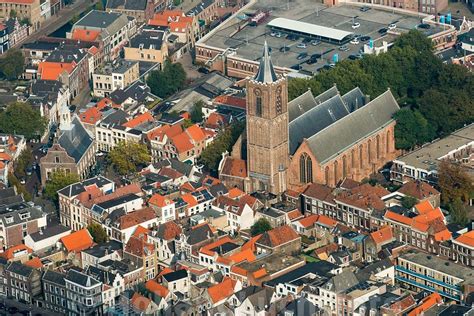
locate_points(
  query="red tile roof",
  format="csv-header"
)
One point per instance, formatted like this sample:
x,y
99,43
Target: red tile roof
x,y
91,116
326,221
85,35
182,143
466,239
156,288
308,221
51,70
136,218
418,189
207,248
78,241
426,304
383,235
140,302
5,157
190,199
160,200
139,119
170,230
196,133
34,263
231,100
12,251
278,236
235,193
222,290
234,167
165,130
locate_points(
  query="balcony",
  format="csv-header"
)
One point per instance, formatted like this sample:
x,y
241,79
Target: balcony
x,y
430,279
428,288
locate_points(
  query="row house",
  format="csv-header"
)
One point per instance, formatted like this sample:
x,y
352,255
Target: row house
x,y
23,282
122,228
141,250
69,197
10,146
111,130
185,28
112,29
35,11
191,240
164,238
113,285
422,227
240,210
112,77
141,10
54,291
83,294
69,65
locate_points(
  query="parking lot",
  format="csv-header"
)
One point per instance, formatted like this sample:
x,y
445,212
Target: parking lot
x,y
249,40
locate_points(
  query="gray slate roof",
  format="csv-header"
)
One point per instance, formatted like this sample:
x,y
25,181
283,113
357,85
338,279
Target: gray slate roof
x,y
76,140
265,73
19,268
110,22
14,214
79,187
307,101
341,282
81,278
54,277
127,4
49,231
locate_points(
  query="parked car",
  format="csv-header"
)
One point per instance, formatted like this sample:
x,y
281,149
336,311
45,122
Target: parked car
x,y
392,26
364,38
364,9
344,48
383,30
355,25
296,67
203,70
22,181
306,40
352,57
302,56
284,49
315,42
301,45
29,171
72,108
273,34
355,41
424,26
279,34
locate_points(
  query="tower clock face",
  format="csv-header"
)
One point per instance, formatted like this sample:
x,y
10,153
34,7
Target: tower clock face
x,y
278,100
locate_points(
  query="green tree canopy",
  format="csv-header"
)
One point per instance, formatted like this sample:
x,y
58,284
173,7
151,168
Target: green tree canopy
x,y
98,233
412,129
24,159
260,226
58,180
168,81
126,157
21,118
196,112
409,201
212,155
12,65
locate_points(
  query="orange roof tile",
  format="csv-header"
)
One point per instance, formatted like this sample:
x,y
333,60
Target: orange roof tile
x,y
382,235
140,302
443,235
424,207
2,165
294,215
160,200
141,231
34,263
165,271
398,218
51,70
5,157
223,260
93,50
185,115
136,218
91,116
326,221
187,187
18,1
278,236
215,120
182,143
77,241
260,273
156,288
190,199
231,100
243,255
139,119
196,133
251,243
11,252
85,35
235,193
238,270
221,290
207,248
235,167
308,221
169,230
104,102
466,239
427,303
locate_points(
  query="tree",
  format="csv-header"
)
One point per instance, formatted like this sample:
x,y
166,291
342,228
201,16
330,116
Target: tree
x,y
12,64
24,159
99,6
13,14
21,118
260,226
416,40
126,157
168,81
196,113
458,211
14,182
409,201
58,180
98,233
411,129
454,182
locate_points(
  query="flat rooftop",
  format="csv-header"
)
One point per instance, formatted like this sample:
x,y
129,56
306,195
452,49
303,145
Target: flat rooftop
x,y
427,157
442,265
249,40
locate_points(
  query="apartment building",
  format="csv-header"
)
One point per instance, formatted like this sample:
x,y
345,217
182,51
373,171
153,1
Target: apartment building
x,y
149,46
54,291
112,130
23,282
141,10
185,28
114,76
115,30
36,11
418,271
422,164
83,294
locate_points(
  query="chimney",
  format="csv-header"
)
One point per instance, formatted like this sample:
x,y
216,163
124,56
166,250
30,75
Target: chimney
x,y
367,98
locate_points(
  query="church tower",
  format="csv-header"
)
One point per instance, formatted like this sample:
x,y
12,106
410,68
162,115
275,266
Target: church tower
x,y
267,128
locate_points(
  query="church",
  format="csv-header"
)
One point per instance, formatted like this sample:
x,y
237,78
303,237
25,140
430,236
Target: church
x,y
322,139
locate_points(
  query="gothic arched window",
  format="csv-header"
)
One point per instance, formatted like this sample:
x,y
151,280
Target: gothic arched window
x,y
303,169
258,103
306,169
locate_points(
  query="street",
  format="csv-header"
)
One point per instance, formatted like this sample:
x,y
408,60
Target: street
x,y
14,307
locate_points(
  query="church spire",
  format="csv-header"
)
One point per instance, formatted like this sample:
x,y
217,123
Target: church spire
x,y
265,73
